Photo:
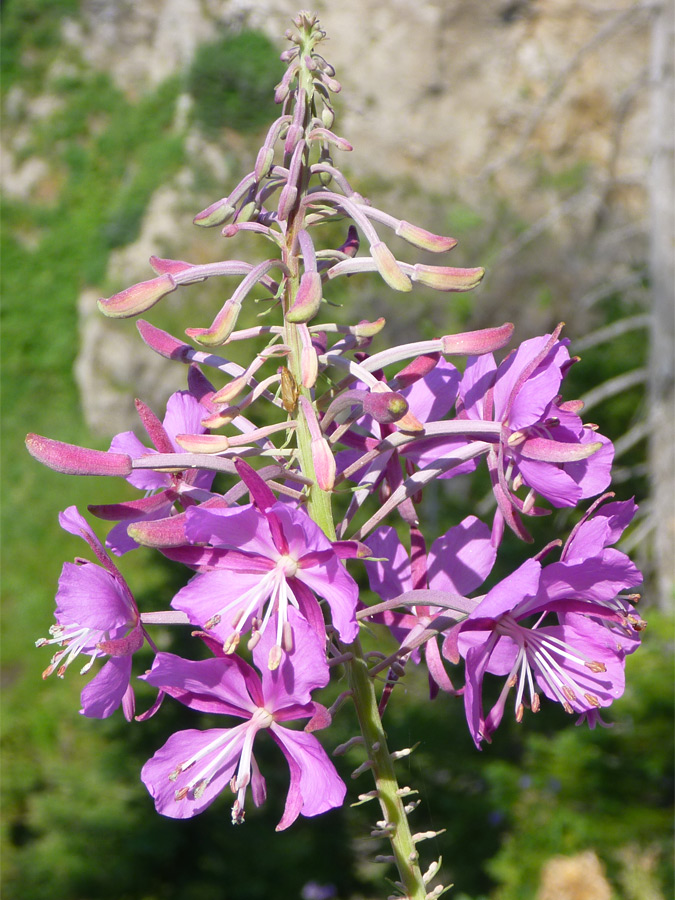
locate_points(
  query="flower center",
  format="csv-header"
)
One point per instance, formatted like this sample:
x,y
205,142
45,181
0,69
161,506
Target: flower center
x,y
287,565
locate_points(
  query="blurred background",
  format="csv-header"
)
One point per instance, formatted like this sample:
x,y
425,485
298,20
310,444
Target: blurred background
x,y
540,134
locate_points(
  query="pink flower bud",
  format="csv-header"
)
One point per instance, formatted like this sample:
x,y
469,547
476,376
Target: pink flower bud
x,y
446,278
324,135
137,298
388,268
425,240
307,299
475,343
168,266
417,369
162,342
73,460
386,407
324,463
221,329
203,443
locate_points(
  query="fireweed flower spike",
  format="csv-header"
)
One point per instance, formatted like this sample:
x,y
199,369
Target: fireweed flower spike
x,y
96,615
272,571
193,767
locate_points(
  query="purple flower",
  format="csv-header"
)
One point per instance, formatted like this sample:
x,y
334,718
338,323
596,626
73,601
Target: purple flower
x,y
95,615
265,562
193,767
429,397
543,443
184,414
457,563
561,629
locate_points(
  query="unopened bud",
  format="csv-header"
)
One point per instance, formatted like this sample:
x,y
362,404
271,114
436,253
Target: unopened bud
x,y
307,299
447,278
203,443
475,343
216,214
221,329
425,240
385,408
73,460
388,268
137,298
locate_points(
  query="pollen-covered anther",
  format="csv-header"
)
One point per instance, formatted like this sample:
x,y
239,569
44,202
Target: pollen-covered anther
x,y
232,643
569,693
274,658
516,438
181,793
212,622
253,640
596,666
47,672
567,707
592,699
535,703
520,712
199,788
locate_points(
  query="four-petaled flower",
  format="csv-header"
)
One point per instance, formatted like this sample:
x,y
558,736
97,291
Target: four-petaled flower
x,y
265,562
578,658
543,443
193,767
96,615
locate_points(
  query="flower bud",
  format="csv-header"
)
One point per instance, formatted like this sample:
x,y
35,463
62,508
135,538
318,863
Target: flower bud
x,y
475,343
307,299
388,267
162,342
216,214
137,298
203,443
369,329
418,368
447,278
263,162
221,329
385,408
73,460
425,240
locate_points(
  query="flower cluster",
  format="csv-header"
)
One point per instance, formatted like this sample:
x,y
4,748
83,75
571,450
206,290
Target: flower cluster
x,y
269,592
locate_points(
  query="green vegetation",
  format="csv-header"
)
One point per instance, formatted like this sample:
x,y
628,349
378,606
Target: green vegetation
x,y
232,82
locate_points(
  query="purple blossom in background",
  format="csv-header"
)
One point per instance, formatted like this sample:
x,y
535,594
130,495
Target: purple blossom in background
x,y
266,563
96,615
193,767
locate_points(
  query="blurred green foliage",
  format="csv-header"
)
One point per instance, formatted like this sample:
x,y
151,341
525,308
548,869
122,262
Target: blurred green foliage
x,y
232,82
77,823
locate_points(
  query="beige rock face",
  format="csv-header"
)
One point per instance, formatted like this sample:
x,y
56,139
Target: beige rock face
x,y
578,877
